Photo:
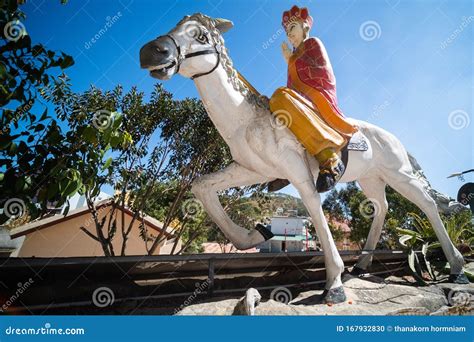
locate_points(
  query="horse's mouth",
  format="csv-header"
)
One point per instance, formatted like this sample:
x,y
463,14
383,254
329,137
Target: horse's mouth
x,y
160,58
162,71
162,67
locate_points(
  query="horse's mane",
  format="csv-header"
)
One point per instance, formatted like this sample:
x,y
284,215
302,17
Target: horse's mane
x,y
256,100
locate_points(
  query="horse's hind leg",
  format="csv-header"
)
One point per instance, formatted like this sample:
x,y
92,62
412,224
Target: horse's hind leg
x,y
412,189
374,190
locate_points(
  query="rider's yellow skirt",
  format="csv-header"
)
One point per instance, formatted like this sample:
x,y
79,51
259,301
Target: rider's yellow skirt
x,y
300,116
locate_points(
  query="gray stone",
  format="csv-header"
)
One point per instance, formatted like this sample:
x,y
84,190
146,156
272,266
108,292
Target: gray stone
x,y
365,296
246,305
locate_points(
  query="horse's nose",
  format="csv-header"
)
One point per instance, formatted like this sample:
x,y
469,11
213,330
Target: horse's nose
x,y
155,52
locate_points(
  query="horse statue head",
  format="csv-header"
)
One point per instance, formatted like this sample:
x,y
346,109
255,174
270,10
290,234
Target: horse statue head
x,y
192,48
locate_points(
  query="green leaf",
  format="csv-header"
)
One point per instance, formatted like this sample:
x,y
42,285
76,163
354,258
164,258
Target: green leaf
x,y
52,191
4,144
66,62
3,71
89,135
404,239
13,148
115,140
107,163
72,188
20,182
66,208
44,115
39,127
127,140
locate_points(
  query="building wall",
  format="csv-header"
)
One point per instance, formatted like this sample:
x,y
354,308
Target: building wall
x,y
287,225
65,239
346,244
168,246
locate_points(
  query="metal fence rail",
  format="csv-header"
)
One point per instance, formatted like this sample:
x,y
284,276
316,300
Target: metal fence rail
x,y
171,266
63,282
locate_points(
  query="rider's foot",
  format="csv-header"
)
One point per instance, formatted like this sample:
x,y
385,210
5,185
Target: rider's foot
x,y
329,174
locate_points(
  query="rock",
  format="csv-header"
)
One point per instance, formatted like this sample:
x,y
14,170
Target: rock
x,y
246,305
214,308
461,303
365,296
410,312
453,288
469,271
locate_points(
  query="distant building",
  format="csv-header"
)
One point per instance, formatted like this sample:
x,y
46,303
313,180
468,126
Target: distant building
x,y
7,244
290,235
60,236
345,244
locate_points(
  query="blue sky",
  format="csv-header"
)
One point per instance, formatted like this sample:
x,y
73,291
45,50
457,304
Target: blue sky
x,y
406,66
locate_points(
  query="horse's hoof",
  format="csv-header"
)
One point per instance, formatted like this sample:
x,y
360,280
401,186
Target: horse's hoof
x,y
277,184
357,271
458,278
334,296
266,233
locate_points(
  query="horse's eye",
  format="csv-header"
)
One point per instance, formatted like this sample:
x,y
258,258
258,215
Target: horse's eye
x,y
202,38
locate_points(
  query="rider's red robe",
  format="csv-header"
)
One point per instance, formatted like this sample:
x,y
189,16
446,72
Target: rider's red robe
x,y
310,74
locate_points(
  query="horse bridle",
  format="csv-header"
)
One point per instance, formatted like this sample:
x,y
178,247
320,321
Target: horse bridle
x,y
177,62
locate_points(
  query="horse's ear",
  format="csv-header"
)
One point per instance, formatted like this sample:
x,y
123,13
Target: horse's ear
x,y
223,25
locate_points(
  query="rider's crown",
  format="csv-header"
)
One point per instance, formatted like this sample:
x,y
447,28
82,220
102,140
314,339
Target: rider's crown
x,y
297,14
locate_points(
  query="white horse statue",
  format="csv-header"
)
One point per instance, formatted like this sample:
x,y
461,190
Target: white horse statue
x,y
263,151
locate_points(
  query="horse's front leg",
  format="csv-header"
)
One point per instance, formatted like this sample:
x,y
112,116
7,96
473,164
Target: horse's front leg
x,y
297,170
205,189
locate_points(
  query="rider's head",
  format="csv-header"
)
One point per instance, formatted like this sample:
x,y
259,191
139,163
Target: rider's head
x,y
297,23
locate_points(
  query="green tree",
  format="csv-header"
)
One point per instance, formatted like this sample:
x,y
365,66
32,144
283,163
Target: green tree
x,y
350,203
32,153
149,153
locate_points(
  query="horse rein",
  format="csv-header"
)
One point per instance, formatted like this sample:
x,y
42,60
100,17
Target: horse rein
x,y
177,62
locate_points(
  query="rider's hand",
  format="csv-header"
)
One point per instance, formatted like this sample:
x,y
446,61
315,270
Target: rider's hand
x,y
286,51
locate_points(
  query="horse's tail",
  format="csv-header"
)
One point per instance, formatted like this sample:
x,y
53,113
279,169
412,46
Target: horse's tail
x,y
446,205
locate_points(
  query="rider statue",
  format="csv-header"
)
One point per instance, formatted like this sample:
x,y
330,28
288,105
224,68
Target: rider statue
x,y
310,98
